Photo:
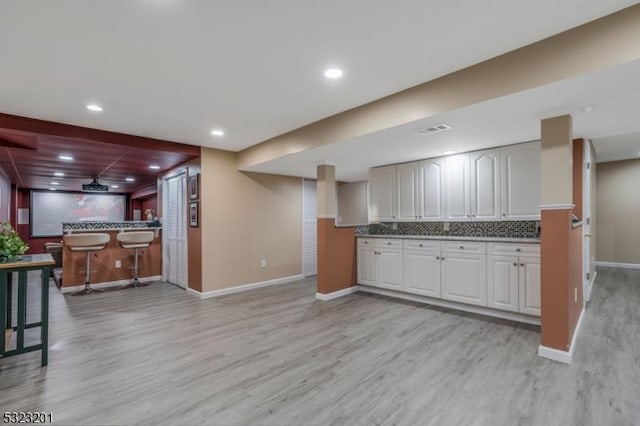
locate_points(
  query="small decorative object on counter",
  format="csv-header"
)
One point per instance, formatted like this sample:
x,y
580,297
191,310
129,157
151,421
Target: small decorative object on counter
x,y
11,245
149,214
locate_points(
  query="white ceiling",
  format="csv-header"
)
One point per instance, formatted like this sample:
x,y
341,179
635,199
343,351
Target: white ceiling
x,y
613,93
617,147
175,69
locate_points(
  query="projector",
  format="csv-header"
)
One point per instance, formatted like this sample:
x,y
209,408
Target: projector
x,y
95,187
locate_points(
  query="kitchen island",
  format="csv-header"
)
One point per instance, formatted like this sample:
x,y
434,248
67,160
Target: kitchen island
x,y
111,267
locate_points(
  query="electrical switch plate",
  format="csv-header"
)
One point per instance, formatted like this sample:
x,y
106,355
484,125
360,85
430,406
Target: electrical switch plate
x,y
263,263
394,226
445,226
118,264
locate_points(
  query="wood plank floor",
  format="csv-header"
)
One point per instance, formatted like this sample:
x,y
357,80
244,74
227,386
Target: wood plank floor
x,y
276,356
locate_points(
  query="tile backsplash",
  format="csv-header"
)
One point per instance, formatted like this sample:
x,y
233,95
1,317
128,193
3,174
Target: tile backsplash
x,y
515,229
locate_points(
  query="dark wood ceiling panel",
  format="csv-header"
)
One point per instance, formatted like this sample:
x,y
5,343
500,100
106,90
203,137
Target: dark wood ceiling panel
x,y
111,163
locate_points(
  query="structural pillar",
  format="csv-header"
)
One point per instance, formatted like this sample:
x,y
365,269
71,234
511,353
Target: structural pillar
x,y
336,246
561,248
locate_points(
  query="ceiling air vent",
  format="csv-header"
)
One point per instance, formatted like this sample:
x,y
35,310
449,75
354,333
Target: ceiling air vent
x,y
435,129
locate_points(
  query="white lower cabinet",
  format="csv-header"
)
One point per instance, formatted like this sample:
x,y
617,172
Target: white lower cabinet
x,y
502,282
422,272
380,263
529,280
513,278
504,276
464,278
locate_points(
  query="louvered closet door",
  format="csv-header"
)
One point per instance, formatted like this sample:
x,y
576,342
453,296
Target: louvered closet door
x,y
175,231
310,228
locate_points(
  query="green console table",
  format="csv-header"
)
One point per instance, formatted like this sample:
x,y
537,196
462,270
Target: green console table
x,y
34,262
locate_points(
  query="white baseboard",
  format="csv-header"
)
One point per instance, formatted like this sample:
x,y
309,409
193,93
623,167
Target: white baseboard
x,y
619,265
565,357
244,287
554,354
334,295
108,284
512,316
590,286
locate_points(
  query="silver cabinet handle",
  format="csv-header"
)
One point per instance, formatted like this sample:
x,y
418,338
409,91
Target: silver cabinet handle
x,y
366,242
504,214
461,247
388,243
518,249
522,264
442,258
437,257
420,245
515,263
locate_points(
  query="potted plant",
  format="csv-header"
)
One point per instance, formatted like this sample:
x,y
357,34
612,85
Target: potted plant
x,y
11,246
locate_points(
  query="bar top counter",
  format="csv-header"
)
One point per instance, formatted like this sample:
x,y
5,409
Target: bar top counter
x,y
87,226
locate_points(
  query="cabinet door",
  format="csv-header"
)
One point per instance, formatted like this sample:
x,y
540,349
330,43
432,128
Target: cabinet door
x,y
432,200
382,193
456,192
520,165
422,272
464,278
529,279
409,181
485,184
502,282
389,268
367,266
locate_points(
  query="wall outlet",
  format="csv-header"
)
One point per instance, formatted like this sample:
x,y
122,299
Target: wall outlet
x,y
118,264
445,226
263,263
394,226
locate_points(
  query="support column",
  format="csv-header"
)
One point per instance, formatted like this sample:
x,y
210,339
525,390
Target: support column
x,y
561,249
336,246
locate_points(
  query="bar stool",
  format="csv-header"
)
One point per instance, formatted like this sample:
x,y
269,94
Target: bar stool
x,y
135,240
87,243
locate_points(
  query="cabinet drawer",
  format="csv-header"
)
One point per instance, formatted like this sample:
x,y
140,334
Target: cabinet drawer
x,y
464,247
367,242
514,249
422,245
389,242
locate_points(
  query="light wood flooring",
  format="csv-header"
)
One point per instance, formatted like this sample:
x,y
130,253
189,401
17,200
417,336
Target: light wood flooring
x,y
277,356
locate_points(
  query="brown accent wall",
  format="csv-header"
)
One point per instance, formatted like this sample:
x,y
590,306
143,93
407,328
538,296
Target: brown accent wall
x,y
578,159
618,211
103,262
565,55
336,257
554,278
561,278
246,217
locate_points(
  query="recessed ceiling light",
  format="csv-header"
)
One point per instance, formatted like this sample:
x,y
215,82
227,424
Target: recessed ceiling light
x,y
129,179
333,73
55,183
449,152
217,132
114,186
59,174
154,167
52,189
94,107
65,157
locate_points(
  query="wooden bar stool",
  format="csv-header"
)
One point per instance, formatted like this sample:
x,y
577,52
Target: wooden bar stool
x,y
87,243
135,240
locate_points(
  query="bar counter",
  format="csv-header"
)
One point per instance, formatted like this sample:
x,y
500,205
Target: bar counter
x,y
103,262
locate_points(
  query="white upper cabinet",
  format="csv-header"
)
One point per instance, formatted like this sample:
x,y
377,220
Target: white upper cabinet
x,y
409,180
382,194
485,184
520,166
456,187
431,203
